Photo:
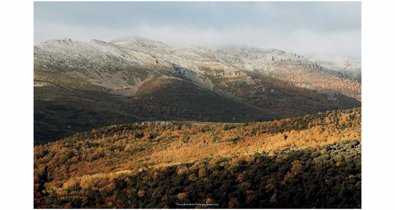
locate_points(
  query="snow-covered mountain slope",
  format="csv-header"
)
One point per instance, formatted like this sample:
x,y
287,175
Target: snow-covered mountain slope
x,y
68,51
101,63
337,63
129,61
347,66
193,57
136,79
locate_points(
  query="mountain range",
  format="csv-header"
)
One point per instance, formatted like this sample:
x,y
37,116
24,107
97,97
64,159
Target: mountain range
x,y
80,85
137,123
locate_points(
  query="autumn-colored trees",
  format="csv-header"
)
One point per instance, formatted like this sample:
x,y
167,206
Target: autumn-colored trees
x,y
201,160
306,178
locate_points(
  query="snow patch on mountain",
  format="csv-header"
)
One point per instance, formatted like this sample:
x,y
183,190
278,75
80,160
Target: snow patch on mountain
x,y
337,63
124,64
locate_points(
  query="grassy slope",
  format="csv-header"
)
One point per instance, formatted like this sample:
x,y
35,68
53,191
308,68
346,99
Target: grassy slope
x,y
119,166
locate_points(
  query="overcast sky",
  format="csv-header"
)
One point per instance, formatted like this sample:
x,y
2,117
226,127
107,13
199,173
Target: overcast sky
x,y
331,28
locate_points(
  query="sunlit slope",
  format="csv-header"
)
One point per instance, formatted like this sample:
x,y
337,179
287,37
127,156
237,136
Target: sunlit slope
x,y
125,159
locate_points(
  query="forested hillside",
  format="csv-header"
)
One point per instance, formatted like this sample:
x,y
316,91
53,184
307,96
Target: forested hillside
x,y
311,161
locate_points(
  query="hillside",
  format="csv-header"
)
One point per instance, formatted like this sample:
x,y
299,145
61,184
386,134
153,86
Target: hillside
x,y
83,85
349,67
310,161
